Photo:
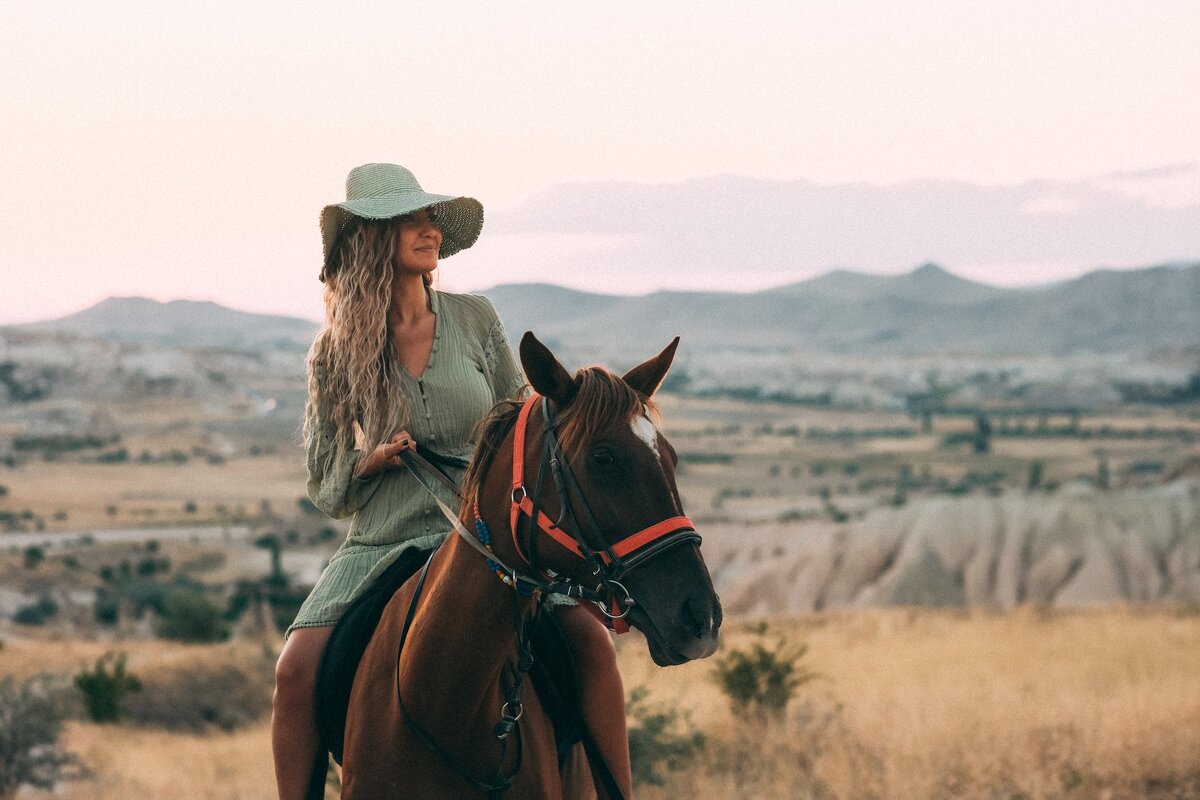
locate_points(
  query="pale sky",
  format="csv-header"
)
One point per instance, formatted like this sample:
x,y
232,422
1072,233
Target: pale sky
x,y
185,149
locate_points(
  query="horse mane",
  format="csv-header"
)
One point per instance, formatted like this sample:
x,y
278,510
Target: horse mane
x,y
602,402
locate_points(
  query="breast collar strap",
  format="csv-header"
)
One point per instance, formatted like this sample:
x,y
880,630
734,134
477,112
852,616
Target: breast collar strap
x,y
611,562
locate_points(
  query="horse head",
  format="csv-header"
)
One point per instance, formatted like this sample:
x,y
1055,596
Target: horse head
x,y
618,524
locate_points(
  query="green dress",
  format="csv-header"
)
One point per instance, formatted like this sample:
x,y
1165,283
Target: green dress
x,y
470,368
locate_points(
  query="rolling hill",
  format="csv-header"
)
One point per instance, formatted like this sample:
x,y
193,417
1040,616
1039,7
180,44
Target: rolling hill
x,y
927,310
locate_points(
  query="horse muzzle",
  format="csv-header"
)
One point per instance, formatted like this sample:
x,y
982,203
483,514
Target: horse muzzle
x,y
676,607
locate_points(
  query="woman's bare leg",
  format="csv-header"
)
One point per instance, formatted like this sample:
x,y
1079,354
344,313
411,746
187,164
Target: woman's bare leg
x,y
603,692
294,738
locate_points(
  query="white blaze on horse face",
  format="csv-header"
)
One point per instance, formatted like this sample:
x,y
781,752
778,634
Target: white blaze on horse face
x,y
644,429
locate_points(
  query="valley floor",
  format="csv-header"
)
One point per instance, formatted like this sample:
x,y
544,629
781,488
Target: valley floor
x,y
905,704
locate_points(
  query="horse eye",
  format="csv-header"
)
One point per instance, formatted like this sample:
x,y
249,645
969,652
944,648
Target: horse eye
x,y
603,457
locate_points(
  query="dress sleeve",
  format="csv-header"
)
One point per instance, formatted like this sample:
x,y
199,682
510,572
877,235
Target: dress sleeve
x,y
333,487
507,380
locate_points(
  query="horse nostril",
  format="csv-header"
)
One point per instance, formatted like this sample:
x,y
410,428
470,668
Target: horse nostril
x,y
695,621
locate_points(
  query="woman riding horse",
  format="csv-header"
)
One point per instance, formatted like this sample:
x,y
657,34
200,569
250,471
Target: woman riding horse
x,y
396,362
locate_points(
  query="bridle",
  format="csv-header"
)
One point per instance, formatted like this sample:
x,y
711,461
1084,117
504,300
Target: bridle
x,y
609,563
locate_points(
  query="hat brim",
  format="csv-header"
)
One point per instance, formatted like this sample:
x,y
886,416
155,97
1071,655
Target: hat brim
x,y
460,219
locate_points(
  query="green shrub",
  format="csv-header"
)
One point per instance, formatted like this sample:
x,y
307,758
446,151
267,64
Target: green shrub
x,y
107,608
760,682
36,613
188,616
658,739
105,686
34,555
31,719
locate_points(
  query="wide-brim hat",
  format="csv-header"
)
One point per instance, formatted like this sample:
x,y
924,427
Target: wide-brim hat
x,y
383,191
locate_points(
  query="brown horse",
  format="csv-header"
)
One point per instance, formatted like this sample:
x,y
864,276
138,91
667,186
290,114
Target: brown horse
x,y
433,712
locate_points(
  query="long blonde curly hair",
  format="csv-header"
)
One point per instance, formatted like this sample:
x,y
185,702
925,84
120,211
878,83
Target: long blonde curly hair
x,y
360,385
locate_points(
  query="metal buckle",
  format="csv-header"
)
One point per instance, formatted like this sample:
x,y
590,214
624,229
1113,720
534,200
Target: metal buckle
x,y
517,501
628,604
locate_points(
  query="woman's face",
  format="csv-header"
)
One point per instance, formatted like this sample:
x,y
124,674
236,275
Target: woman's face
x,y
418,240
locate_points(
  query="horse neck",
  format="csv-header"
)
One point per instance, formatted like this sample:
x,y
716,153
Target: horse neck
x,y
463,634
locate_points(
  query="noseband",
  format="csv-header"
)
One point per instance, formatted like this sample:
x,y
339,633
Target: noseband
x,y
610,563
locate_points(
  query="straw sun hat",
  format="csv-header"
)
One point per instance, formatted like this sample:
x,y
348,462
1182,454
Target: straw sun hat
x,y
383,191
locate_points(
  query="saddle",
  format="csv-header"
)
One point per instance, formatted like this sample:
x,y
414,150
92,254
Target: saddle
x,y
554,674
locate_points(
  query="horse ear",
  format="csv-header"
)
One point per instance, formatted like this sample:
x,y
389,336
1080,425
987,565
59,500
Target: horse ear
x,y
546,375
646,377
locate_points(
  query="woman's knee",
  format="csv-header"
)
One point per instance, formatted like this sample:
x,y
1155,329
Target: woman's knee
x,y
296,669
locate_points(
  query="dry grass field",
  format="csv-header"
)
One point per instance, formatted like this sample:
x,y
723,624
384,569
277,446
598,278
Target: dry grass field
x,y
907,704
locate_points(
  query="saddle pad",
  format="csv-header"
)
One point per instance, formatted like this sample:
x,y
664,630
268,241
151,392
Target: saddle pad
x,y
347,644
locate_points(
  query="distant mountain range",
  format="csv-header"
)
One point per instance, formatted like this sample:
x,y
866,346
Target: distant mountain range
x,y
928,310
182,323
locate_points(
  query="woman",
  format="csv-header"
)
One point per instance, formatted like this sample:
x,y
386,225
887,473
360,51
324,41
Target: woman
x,y
397,362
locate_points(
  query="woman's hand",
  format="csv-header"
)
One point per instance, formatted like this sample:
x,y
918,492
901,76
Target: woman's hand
x,y
385,455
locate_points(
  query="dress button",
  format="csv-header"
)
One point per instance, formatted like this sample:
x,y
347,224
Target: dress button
x,y
428,415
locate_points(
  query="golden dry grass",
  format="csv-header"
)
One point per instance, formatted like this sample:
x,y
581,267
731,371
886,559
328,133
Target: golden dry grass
x,y
942,704
911,704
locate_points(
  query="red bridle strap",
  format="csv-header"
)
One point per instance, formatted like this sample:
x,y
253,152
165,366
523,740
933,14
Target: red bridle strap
x,y
644,537
524,505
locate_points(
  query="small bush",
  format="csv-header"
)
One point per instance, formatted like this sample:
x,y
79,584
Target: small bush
x,y
107,608
37,613
105,686
188,616
31,720
658,739
34,555
760,682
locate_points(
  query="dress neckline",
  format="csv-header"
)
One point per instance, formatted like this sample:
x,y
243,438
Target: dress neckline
x,y
435,307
